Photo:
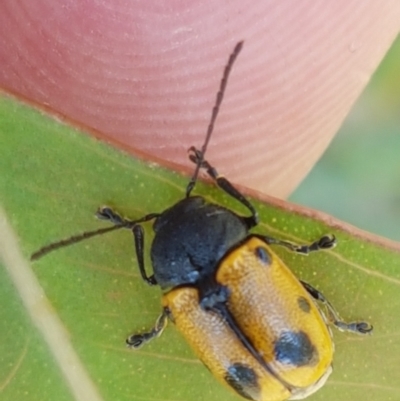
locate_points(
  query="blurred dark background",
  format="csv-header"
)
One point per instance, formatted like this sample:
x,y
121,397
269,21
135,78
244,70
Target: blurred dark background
x,y
358,178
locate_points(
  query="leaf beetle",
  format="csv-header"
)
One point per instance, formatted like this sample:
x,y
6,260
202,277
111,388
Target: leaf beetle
x,y
254,325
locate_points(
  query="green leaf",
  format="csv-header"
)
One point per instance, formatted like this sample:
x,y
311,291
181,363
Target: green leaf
x,y
52,180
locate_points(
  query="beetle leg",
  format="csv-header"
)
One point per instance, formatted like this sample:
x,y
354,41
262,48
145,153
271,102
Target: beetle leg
x,y
325,242
226,186
137,340
138,235
334,318
107,213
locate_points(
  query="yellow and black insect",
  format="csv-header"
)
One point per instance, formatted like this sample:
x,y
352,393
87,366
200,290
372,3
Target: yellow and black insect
x,y
255,326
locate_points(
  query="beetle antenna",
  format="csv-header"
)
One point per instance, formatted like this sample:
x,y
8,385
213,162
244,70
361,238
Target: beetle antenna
x,y
72,240
215,110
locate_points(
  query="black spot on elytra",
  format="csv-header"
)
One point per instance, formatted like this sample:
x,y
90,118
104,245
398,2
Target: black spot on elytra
x,y
243,380
304,304
263,255
295,348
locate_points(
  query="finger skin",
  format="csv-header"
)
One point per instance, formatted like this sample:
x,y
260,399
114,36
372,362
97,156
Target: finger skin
x,y
145,74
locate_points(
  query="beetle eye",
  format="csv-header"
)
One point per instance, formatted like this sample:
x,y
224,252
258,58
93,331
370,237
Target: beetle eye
x,y
263,255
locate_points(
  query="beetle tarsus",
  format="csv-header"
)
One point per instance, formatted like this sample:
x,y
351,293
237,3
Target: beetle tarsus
x,y
325,242
136,341
107,214
354,327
